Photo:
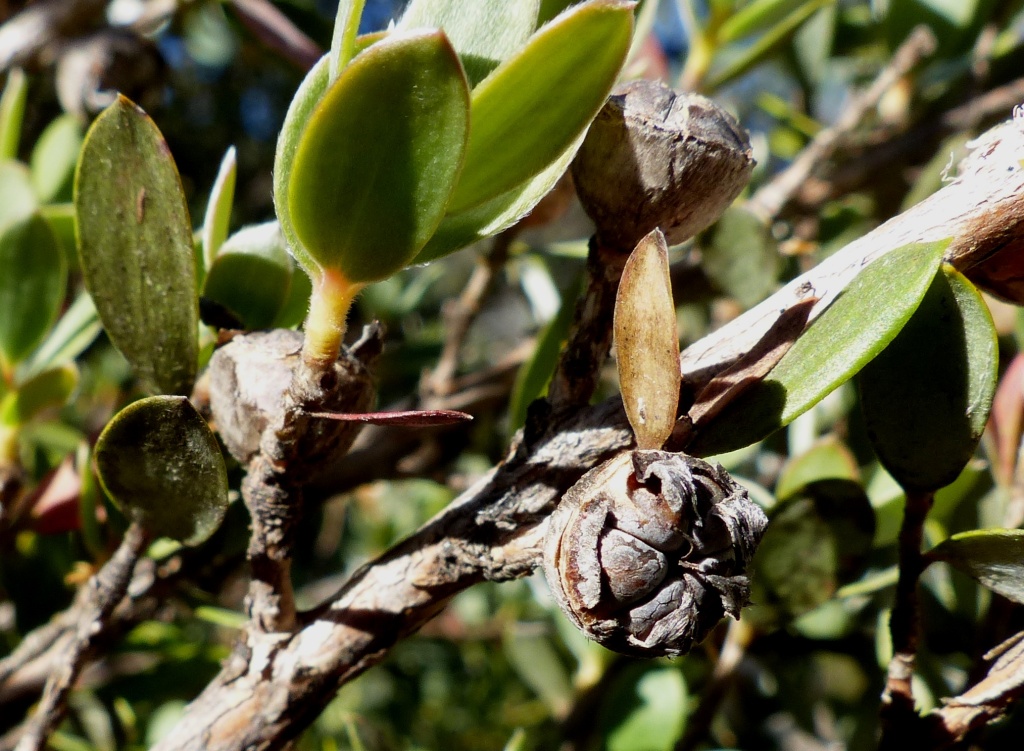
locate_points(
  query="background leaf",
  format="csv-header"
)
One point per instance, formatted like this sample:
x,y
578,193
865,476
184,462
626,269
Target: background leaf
x,y
367,211
483,32
33,277
858,325
251,275
160,462
994,557
12,112
135,242
536,103
54,158
218,207
926,397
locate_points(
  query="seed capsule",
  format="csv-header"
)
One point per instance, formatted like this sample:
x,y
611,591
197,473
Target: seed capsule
x,y
648,551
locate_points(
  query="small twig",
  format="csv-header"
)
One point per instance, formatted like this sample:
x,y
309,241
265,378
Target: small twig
x,y
898,698
460,313
769,200
94,604
737,639
590,336
276,31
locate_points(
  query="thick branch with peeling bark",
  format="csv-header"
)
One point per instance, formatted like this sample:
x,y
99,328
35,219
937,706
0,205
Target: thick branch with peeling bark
x,y
275,684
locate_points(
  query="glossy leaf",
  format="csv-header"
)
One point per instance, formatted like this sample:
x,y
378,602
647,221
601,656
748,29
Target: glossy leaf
x,y
17,196
994,557
926,397
251,275
161,464
296,303
218,208
135,243
12,112
535,104
48,390
483,32
76,330
462,229
816,541
375,165
33,278
858,325
54,157
647,343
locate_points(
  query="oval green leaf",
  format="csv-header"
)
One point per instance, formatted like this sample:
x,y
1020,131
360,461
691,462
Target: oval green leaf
x,y
375,165
645,709
828,459
858,325
47,390
251,275
135,243
816,541
535,104
462,229
647,343
54,158
484,32
160,463
17,196
33,277
927,396
993,557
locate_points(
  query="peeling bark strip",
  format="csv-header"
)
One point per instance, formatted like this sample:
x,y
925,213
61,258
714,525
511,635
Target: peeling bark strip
x,y
274,685
982,210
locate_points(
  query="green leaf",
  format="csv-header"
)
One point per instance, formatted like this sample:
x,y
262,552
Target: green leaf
x,y
17,196
994,557
535,374
535,104
76,330
927,396
858,325
460,230
374,167
296,303
765,45
251,275
645,709
54,157
816,541
741,258
647,343
135,242
48,390
483,32
160,463
827,459
33,277
538,664
218,208
343,41
757,16
12,112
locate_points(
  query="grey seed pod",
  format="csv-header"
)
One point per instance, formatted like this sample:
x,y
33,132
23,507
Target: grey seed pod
x,y
250,382
648,551
657,158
